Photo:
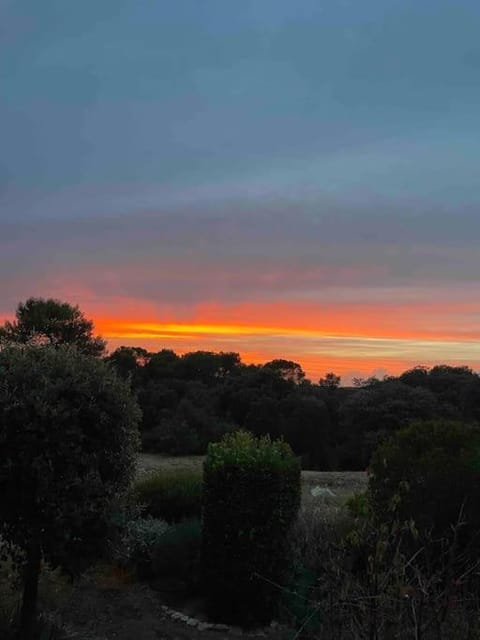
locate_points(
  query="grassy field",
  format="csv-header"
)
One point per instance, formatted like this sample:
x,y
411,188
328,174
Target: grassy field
x,y
341,483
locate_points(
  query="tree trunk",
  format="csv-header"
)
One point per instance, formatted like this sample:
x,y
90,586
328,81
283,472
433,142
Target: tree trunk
x,y
28,614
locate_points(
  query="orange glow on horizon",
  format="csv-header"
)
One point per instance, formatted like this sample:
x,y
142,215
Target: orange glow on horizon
x,y
349,338
351,344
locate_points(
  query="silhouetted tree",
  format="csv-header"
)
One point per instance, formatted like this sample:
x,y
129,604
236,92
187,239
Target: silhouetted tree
x,y
288,369
330,382
208,366
41,321
127,360
68,436
374,412
307,430
163,365
265,418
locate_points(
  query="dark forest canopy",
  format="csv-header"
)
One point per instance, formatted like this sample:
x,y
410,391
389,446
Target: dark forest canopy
x,y
192,399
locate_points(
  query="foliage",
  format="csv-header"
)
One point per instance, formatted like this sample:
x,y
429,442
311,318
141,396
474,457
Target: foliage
x,y
288,369
46,628
176,557
359,506
250,500
171,495
207,366
69,427
377,410
191,400
429,473
127,360
450,385
308,431
356,580
138,543
174,436
49,321
297,607
331,381
371,586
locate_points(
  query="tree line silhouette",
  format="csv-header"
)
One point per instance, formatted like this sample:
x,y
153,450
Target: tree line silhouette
x,y
192,399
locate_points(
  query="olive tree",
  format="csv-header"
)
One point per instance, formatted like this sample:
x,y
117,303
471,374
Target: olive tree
x,y
68,437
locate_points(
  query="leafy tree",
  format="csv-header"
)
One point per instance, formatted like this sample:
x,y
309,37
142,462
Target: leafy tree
x,y
288,369
127,360
49,321
452,387
208,366
374,412
308,430
161,365
428,472
68,436
265,418
330,382
416,377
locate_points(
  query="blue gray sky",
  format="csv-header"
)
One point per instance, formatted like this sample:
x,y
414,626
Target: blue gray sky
x,y
305,173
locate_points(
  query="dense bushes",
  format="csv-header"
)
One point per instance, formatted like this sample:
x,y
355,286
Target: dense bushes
x,y
171,495
176,558
402,560
250,500
429,473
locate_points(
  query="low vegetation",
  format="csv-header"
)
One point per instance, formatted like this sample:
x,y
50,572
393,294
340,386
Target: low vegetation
x,y
171,495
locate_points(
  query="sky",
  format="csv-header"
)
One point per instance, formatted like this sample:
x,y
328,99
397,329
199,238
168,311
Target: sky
x,y
281,178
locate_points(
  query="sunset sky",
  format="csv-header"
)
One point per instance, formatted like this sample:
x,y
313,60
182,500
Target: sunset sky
x,y
282,178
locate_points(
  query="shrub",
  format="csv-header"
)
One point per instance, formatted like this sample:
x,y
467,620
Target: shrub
x,y
429,473
250,500
359,506
171,495
138,543
176,556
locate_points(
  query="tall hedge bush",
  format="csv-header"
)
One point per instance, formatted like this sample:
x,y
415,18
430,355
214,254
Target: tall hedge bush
x,y
251,496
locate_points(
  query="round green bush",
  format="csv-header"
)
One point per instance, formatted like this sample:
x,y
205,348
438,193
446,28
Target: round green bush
x,y
251,496
429,472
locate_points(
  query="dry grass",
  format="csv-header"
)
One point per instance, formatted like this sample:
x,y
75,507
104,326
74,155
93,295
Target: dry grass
x,y
342,483
148,462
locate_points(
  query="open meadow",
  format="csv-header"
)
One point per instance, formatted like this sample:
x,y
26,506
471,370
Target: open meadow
x,y
342,484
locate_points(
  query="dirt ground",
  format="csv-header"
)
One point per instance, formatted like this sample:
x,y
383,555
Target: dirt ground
x,y
110,610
